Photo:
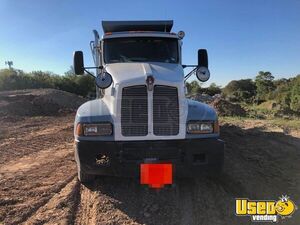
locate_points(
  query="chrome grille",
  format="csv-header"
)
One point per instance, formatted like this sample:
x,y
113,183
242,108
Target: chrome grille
x,y
134,111
165,111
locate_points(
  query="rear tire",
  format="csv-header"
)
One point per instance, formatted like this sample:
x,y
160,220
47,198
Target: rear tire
x,y
85,177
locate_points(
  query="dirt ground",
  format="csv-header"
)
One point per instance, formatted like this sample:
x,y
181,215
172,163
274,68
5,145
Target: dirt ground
x,y
38,183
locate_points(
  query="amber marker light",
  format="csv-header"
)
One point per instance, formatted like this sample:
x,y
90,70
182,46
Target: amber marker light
x,y
79,129
216,127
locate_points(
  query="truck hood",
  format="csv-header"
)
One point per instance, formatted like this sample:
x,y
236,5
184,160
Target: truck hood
x,y
200,111
137,72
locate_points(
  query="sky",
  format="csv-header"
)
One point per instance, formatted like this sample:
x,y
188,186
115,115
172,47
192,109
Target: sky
x,y
242,37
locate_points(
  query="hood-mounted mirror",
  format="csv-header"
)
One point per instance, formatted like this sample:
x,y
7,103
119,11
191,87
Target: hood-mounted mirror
x,y
103,80
203,74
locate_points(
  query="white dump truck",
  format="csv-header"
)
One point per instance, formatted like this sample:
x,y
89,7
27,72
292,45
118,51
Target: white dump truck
x,y
141,113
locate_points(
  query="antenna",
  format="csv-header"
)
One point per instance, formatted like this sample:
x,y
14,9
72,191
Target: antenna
x,y
9,63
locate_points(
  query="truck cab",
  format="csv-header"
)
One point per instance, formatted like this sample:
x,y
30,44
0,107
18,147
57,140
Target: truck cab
x,y
141,113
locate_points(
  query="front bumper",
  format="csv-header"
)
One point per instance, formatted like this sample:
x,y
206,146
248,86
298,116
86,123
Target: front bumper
x,y
190,157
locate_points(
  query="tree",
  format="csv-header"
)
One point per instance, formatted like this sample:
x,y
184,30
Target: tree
x,y
295,95
242,90
212,89
193,87
264,85
12,79
282,93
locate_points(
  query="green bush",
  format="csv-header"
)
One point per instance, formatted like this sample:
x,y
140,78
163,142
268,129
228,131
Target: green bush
x,y
17,79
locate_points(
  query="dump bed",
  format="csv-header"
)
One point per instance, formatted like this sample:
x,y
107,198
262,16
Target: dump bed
x,y
149,25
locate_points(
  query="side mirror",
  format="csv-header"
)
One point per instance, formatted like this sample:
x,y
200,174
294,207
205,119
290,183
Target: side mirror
x,y
78,63
202,71
104,80
202,58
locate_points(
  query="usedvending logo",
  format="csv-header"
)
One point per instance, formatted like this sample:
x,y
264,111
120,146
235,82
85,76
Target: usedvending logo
x,y
265,210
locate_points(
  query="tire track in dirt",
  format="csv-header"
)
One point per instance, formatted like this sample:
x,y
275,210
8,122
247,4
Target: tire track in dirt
x,y
42,180
60,208
125,201
98,207
185,192
24,191
27,192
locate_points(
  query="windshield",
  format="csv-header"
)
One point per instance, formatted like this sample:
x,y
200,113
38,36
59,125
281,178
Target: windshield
x,y
141,49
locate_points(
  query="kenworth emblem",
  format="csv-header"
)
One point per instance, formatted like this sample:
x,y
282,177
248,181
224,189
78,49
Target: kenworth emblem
x,y
150,81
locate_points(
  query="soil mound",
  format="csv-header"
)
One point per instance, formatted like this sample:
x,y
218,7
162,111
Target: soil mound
x,y
226,108
38,102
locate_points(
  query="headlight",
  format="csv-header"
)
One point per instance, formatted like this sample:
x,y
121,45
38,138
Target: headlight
x,y
201,127
95,129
